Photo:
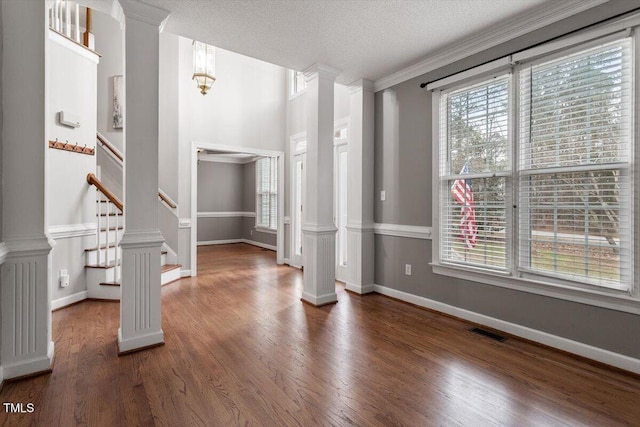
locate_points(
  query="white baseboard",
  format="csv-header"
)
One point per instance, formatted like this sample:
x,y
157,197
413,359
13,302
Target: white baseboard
x,y
185,273
359,289
68,300
229,241
259,244
30,366
218,242
605,356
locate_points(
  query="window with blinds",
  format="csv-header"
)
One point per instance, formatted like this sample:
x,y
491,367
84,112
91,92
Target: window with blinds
x,y
267,193
575,163
474,166
542,188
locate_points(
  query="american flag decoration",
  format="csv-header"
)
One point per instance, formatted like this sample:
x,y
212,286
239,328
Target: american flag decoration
x,y
461,191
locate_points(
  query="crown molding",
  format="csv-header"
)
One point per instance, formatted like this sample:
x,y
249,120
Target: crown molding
x,y
508,30
144,12
320,70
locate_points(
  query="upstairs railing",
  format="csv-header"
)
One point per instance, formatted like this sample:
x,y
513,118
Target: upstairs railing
x,y
109,211
118,155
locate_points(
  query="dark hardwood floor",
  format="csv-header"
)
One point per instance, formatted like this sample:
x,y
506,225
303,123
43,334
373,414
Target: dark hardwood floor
x,y
242,349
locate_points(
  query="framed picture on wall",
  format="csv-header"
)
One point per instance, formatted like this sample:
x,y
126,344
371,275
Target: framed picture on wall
x,y
118,91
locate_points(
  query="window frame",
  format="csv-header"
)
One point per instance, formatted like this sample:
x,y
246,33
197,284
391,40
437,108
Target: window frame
x,y
293,90
515,279
273,167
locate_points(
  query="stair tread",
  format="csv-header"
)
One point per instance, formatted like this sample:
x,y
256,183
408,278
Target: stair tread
x,y
169,267
110,265
95,248
110,284
111,214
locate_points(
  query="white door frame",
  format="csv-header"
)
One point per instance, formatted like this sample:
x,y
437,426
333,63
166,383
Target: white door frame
x,y
298,146
195,145
338,146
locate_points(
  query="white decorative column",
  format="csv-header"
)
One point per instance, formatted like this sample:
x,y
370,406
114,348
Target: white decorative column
x,y
318,228
140,313
360,237
25,341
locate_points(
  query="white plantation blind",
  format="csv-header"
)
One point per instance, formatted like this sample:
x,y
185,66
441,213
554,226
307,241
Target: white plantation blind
x,y
575,190
267,193
474,165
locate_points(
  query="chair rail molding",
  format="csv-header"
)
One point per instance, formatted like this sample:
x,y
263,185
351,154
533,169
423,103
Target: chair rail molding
x,y
72,230
399,230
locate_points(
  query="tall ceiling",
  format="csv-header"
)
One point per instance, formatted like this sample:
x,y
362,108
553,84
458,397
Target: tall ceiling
x,y
363,38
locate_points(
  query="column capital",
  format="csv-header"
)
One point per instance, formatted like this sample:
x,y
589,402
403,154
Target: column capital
x,y
360,84
320,70
140,11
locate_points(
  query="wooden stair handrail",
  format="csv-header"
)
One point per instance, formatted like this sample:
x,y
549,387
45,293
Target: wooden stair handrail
x,y
115,152
93,180
109,147
167,200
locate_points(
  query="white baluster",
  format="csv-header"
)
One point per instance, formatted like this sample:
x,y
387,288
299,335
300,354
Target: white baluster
x,y
67,10
77,37
117,258
106,251
99,240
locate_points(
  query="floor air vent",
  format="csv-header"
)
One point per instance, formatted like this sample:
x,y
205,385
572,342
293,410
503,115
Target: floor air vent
x,y
488,334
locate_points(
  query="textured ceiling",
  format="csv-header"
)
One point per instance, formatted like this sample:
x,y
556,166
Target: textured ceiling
x,y
363,38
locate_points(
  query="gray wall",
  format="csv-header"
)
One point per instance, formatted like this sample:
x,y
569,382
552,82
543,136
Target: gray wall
x,y
220,187
403,167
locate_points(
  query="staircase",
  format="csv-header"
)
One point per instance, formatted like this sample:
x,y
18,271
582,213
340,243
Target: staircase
x,y
103,261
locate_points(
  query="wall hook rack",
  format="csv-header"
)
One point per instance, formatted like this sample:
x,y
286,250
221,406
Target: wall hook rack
x,y
74,148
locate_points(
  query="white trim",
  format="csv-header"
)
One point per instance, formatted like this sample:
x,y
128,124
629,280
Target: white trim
x,y
218,158
3,252
226,214
218,242
68,300
74,47
497,66
618,302
230,241
185,273
265,230
399,230
73,230
495,35
287,220
184,223
360,289
259,244
594,353
30,366
287,261
613,31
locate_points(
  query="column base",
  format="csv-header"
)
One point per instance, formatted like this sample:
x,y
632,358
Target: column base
x,y
319,301
30,367
143,342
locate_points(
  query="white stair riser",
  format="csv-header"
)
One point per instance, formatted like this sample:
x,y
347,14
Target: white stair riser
x,y
91,257
95,276
163,259
169,276
112,236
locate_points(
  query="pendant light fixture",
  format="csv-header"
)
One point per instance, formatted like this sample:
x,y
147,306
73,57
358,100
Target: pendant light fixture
x,y
204,63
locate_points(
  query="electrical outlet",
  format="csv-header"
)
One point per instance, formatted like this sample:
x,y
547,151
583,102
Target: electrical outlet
x,y
64,278
407,269
251,232
383,196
